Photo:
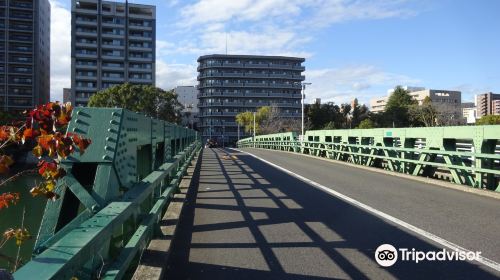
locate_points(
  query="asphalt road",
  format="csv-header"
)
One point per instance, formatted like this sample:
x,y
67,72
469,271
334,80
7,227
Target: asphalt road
x,y
249,220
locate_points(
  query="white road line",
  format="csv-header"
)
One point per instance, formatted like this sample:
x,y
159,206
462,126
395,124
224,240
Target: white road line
x,y
482,260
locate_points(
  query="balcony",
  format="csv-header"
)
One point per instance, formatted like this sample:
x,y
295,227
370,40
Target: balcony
x,y
86,44
86,66
113,23
139,69
112,68
21,16
250,66
86,11
21,60
86,77
85,22
82,87
86,54
112,35
20,38
141,80
20,28
224,114
239,94
140,48
21,6
139,37
20,49
140,58
113,79
140,26
88,33
252,85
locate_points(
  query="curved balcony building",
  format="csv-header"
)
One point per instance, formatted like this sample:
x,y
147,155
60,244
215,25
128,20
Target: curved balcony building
x,y
231,84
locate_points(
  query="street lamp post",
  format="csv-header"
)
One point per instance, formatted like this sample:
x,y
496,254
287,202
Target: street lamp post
x,y
223,132
254,129
302,101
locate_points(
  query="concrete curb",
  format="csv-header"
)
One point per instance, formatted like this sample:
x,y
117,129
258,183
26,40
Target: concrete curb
x,y
154,259
445,184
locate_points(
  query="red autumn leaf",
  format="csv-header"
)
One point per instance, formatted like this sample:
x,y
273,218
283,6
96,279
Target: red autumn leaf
x,y
5,163
81,143
36,191
30,133
38,151
8,198
4,133
45,141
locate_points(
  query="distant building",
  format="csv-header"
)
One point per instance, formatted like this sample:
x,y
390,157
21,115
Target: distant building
x,y
188,97
488,104
66,95
317,101
231,84
469,112
378,104
448,101
24,54
111,44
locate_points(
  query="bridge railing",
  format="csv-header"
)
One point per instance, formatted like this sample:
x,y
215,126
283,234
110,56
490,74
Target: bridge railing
x,y
112,196
466,155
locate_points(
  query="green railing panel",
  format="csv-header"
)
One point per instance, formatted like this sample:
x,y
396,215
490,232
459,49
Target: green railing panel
x,y
466,155
112,196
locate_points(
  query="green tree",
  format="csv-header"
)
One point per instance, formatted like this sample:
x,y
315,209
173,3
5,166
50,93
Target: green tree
x,y
245,119
151,101
397,108
358,113
488,120
329,125
425,114
366,123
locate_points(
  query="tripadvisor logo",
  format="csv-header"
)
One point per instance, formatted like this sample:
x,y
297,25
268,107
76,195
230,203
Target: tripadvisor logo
x,y
387,255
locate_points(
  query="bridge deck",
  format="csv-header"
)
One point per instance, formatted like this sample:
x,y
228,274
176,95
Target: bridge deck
x,y
249,220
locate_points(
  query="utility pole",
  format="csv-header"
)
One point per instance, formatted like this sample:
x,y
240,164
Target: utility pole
x,y
302,101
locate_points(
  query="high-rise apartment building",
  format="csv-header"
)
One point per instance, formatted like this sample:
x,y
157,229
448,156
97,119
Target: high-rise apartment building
x,y
231,84
111,43
24,53
488,104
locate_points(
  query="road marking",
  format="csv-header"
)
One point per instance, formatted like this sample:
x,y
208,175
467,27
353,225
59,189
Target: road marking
x,y
482,260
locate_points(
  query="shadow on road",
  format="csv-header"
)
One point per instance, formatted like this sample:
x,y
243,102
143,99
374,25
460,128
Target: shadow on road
x,y
248,220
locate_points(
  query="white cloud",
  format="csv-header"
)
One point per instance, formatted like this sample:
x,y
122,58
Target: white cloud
x,y
168,76
60,49
334,11
206,11
270,42
322,12
344,84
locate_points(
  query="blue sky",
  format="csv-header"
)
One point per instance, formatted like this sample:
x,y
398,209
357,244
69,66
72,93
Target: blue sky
x,y
353,48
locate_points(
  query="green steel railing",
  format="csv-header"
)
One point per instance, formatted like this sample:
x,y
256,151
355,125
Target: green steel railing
x,y
467,155
112,196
